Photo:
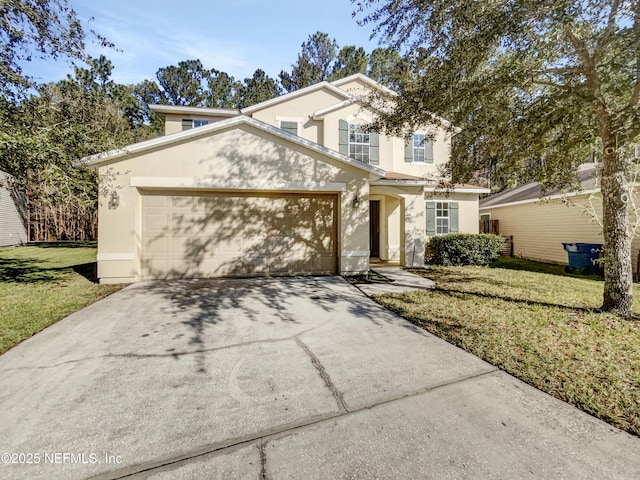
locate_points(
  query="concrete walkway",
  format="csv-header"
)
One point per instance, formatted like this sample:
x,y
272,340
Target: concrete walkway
x,y
278,379
400,281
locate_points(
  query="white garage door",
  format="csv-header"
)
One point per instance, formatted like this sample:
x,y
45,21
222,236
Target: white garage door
x,y
221,234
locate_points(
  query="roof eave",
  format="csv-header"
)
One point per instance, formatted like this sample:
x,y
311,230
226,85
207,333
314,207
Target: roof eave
x,y
176,109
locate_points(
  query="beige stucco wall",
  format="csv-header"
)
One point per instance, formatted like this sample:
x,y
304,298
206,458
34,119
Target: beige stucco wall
x,y
468,215
391,148
240,159
299,109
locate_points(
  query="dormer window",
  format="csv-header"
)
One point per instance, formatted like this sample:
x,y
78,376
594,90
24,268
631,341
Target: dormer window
x,y
358,143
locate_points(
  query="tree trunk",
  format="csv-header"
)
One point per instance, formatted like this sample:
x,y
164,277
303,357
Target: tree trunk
x,y
618,274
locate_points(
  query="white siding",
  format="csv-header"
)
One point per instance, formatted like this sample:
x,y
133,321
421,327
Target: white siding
x,y
539,228
12,227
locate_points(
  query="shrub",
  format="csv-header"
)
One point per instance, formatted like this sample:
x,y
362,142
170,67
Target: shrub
x,y
464,249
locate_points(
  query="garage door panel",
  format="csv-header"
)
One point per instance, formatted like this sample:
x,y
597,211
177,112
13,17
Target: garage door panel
x,y
227,235
154,202
154,221
155,244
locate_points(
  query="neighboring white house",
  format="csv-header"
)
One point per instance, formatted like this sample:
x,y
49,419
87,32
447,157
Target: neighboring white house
x,y
293,185
12,214
540,222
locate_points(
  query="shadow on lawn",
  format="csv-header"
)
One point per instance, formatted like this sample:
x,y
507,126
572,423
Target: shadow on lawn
x,y
30,271
538,267
63,244
461,278
453,292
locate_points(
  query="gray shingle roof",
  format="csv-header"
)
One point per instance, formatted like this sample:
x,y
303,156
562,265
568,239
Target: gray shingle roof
x,y
586,177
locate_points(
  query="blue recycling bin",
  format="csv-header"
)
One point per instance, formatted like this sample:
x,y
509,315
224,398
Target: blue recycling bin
x,y
583,256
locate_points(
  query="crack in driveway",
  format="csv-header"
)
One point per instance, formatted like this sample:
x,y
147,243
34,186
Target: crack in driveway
x,y
260,439
167,354
324,375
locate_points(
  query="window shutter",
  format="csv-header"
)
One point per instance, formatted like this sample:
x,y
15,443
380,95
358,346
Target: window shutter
x,y
290,127
431,218
428,150
343,137
408,149
374,148
187,124
453,217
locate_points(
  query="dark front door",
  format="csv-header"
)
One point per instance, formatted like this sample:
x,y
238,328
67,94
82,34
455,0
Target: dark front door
x,y
374,228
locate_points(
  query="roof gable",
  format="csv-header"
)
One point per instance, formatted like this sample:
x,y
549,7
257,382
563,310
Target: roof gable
x,y
363,80
235,122
297,93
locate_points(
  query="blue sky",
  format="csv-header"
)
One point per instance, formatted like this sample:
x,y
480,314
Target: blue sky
x,y
235,36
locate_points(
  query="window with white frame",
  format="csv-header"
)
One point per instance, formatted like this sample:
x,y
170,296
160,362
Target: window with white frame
x,y
418,147
359,144
442,218
189,123
291,127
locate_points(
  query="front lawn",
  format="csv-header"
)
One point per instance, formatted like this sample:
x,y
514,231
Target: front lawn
x,y
40,285
540,327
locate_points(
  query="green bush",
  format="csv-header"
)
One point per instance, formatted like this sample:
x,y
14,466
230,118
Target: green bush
x,y
464,249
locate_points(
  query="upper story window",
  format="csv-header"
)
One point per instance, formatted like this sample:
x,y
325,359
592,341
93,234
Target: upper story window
x,y
419,149
188,123
358,143
291,127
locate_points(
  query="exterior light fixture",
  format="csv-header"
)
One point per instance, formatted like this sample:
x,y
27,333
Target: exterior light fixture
x,y
356,201
114,200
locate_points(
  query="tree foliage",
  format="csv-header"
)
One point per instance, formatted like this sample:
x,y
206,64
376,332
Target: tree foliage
x,y
313,64
349,60
258,88
321,59
47,29
43,137
535,85
190,84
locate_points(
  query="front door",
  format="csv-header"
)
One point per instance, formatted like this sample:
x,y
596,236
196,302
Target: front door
x,y
374,228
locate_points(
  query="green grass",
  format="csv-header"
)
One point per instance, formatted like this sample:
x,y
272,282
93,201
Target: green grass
x,y
539,324
40,285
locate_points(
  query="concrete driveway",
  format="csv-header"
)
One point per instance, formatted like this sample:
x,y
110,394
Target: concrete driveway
x,y
273,379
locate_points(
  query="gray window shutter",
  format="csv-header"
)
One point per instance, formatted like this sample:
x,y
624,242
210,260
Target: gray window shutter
x,y
408,149
291,127
343,137
187,124
428,150
374,148
453,217
431,218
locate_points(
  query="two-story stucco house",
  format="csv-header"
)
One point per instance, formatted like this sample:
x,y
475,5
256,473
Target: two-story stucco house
x,y
293,185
